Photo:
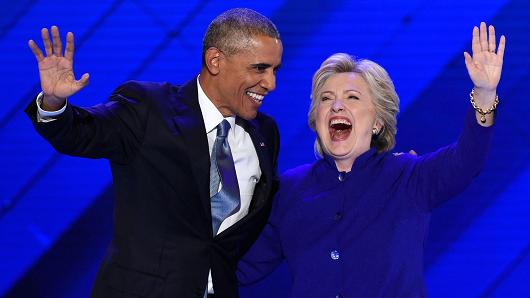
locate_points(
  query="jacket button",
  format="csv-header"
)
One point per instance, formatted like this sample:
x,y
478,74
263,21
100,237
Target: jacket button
x,y
335,254
341,176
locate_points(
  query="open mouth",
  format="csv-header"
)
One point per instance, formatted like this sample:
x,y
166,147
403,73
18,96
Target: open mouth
x,y
339,129
258,98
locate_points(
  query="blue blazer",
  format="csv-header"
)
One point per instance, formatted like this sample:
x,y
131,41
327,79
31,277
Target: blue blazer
x,y
362,233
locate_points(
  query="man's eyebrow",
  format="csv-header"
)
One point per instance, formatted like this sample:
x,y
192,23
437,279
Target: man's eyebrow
x,y
261,65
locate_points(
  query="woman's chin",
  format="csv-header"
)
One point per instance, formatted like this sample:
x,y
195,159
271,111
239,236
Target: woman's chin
x,y
340,153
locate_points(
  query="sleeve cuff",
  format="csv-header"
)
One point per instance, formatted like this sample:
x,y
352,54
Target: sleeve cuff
x,y
47,116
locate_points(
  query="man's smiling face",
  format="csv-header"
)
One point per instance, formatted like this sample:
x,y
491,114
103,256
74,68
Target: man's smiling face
x,y
247,76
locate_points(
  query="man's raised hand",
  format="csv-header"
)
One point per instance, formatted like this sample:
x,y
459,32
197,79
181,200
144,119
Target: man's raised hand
x,y
56,70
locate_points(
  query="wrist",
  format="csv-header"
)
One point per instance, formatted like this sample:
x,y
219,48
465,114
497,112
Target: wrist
x,y
52,103
484,98
484,114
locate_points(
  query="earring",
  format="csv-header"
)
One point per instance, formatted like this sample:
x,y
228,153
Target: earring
x,y
374,131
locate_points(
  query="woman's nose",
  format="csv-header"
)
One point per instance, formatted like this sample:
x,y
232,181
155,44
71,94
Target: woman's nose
x,y
337,105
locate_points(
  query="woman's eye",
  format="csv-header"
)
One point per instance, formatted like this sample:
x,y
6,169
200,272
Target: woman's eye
x,y
353,97
324,98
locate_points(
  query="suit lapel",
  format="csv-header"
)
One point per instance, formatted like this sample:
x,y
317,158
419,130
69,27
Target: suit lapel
x,y
190,124
261,192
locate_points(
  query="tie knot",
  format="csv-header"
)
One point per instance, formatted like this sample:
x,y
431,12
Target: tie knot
x,y
222,129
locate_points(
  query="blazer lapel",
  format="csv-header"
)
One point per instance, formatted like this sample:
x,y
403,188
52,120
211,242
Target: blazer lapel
x,y
190,124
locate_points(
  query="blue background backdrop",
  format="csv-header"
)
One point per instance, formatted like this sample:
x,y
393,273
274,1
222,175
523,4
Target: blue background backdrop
x,y
56,211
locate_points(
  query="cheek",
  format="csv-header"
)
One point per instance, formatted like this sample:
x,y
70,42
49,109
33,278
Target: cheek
x,y
364,118
320,120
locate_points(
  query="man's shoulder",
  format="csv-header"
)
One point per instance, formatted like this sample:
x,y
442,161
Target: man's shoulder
x,y
265,121
264,118
266,125
144,86
150,91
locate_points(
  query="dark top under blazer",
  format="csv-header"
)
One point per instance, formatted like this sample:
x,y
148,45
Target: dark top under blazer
x,y
154,137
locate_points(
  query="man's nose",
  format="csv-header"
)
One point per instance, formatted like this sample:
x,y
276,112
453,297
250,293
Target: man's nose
x,y
269,81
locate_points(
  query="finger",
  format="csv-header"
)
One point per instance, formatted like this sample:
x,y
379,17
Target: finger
x,y
36,51
80,84
46,41
491,39
83,81
69,50
470,64
475,44
467,59
500,50
57,44
483,37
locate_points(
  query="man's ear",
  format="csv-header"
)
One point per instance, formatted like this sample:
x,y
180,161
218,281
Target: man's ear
x,y
212,58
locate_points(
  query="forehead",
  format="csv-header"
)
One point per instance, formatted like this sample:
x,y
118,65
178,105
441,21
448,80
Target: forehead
x,y
345,81
263,49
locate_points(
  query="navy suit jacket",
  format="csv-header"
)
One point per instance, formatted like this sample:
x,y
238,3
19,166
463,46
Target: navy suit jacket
x,y
153,134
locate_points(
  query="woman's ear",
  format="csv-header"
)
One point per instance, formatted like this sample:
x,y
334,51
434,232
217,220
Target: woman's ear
x,y
378,126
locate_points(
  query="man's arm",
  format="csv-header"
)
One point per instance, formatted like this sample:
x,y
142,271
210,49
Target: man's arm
x,y
113,130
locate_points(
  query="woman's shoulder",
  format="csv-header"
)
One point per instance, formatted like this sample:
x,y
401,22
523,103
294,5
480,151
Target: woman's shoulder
x,y
296,172
294,178
397,164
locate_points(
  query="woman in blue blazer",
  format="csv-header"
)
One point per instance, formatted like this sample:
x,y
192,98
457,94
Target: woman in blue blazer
x,y
353,223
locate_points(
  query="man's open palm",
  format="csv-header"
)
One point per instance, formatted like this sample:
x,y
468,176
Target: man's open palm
x,y
55,69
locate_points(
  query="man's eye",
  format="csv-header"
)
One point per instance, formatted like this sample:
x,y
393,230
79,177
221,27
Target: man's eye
x,y
261,68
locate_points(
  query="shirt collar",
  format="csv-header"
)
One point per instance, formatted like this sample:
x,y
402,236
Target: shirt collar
x,y
360,161
210,114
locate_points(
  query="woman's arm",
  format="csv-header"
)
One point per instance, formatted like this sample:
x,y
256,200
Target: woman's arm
x,y
435,177
262,258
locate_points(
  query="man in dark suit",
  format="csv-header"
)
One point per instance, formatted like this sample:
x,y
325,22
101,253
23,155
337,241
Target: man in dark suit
x,y
158,139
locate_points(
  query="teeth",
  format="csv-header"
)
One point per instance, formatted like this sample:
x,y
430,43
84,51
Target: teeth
x,y
257,97
339,121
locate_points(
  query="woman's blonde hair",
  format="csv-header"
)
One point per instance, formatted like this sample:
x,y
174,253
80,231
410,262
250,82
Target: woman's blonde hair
x,y
385,98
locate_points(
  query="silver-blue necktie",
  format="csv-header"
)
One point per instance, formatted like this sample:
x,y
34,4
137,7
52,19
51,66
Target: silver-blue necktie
x,y
226,201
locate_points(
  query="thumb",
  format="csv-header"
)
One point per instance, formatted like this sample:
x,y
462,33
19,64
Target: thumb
x,y
81,83
467,59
